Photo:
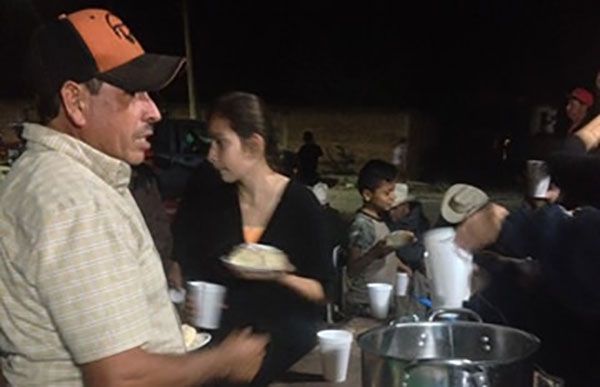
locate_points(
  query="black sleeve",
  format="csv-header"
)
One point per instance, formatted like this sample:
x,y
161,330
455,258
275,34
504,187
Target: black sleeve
x,y
197,230
575,172
190,206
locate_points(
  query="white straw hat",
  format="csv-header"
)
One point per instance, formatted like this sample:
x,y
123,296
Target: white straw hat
x,y
460,201
402,195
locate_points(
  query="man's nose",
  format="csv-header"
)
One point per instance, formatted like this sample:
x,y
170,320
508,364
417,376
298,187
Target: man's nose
x,y
152,113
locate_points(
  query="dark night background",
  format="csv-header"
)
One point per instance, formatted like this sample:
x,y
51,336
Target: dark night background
x,y
470,64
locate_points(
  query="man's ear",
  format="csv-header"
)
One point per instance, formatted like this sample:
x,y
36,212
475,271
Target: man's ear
x,y
74,97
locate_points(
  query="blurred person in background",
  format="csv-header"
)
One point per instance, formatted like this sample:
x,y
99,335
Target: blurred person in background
x,y
145,191
578,108
308,159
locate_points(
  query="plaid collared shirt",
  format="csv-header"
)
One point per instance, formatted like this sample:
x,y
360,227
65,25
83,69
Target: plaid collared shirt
x,y
80,278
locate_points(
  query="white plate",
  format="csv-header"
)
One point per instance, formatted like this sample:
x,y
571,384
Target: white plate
x,y
399,238
258,248
200,341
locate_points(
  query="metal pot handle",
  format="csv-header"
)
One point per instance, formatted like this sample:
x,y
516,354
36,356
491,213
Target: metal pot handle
x,y
477,375
459,311
411,318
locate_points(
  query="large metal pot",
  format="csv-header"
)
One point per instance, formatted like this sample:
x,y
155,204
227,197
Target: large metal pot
x,y
447,354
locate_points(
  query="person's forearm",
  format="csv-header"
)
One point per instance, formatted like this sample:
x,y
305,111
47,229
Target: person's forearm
x,y
590,134
307,287
404,267
151,370
357,262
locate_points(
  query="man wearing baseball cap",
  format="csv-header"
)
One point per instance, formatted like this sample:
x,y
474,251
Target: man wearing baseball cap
x,y
83,297
579,103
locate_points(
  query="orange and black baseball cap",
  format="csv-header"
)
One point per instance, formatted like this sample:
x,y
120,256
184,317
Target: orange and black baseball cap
x,y
95,43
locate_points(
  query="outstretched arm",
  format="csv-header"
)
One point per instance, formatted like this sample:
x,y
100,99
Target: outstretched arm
x,y
358,260
307,287
237,359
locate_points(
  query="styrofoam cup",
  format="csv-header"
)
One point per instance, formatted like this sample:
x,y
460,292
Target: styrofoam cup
x,y
538,179
334,348
401,283
380,295
448,267
208,301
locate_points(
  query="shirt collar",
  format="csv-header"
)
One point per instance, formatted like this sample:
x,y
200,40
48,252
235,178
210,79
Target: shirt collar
x,y
114,172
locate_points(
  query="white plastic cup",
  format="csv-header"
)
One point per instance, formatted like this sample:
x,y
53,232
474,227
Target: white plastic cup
x,y
538,179
401,284
380,295
448,267
334,347
208,301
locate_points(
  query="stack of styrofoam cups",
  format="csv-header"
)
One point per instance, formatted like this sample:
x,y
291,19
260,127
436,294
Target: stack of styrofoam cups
x,y
334,348
208,302
401,284
448,267
380,295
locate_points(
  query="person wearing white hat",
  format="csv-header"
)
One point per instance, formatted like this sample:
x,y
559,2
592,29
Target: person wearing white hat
x,y
460,201
565,293
407,214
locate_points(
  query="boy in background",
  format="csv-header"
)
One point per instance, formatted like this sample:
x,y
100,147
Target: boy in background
x,y
370,259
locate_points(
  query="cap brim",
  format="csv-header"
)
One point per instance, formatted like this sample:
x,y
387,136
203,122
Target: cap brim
x,y
148,72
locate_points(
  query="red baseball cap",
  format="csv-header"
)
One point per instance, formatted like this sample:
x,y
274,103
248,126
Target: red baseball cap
x,y
582,95
94,43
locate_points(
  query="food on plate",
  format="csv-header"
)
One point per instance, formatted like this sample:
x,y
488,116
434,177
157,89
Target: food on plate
x,y
399,238
194,340
259,257
189,335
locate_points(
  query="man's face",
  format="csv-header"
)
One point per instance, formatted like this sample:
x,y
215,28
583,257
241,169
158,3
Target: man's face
x,y
119,123
575,109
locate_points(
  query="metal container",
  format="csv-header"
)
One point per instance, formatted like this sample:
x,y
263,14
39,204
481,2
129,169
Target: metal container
x,y
447,354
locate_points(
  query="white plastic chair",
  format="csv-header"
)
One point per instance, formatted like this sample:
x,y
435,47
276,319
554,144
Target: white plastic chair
x,y
331,305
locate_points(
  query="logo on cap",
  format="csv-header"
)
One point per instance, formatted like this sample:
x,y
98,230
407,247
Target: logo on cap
x,y
119,28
